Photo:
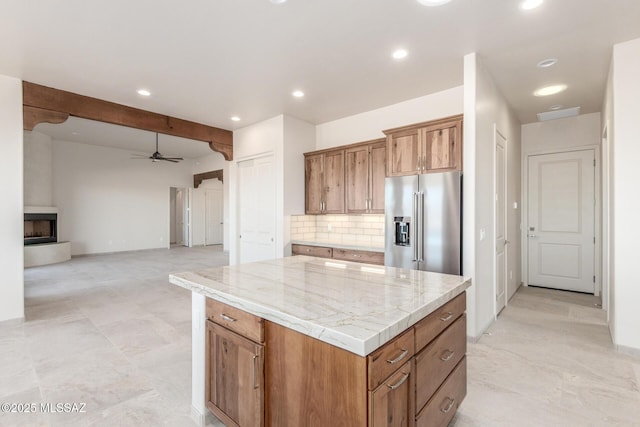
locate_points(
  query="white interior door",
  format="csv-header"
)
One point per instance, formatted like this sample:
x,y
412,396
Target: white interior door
x,y
213,217
256,210
501,223
180,216
561,220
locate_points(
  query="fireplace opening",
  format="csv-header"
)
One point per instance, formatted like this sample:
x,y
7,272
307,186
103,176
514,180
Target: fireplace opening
x,y
40,228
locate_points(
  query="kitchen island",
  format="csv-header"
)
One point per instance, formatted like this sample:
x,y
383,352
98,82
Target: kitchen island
x,y
310,341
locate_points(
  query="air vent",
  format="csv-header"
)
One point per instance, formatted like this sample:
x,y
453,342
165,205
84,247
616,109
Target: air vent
x,y
558,114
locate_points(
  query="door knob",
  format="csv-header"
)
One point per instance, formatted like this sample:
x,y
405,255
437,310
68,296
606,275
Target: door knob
x,y
532,235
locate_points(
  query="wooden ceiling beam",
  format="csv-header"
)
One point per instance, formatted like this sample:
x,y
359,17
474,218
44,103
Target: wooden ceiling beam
x,y
45,104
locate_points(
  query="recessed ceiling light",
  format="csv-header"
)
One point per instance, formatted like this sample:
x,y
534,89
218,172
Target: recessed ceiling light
x,y
144,92
546,63
278,1
400,54
235,118
550,90
298,94
530,4
556,107
433,2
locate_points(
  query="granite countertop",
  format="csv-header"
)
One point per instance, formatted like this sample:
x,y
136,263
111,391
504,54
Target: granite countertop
x,y
357,307
359,246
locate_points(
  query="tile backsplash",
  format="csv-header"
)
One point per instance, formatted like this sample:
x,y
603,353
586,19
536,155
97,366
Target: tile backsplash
x,y
367,230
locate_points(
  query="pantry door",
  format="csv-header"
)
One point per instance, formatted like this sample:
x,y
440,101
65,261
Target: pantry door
x,y
256,209
561,220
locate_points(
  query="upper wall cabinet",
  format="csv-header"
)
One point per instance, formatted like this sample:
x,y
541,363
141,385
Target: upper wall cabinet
x,y
324,182
365,173
434,146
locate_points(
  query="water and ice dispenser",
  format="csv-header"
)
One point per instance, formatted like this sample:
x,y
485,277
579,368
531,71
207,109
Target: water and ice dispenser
x,y
402,225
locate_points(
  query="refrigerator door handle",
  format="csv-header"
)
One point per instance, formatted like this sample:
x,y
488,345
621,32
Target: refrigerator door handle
x,y
415,226
421,222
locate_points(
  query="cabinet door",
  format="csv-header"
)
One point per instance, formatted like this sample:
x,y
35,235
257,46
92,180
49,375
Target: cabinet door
x,y
443,148
403,150
357,179
377,164
235,377
391,404
334,182
313,183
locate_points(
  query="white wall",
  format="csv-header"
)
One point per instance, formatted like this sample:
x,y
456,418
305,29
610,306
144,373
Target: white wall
x,y
626,110
299,138
11,208
286,138
108,202
265,137
572,132
38,174
214,162
484,109
608,237
370,124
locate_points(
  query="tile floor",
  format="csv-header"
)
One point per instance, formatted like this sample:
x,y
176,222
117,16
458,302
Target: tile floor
x,y
111,332
108,331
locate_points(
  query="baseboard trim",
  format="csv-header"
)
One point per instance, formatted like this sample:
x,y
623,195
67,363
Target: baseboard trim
x,y
198,417
475,338
632,351
12,322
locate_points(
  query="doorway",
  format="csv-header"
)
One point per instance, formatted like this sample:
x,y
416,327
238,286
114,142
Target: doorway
x,y
213,217
179,216
561,220
256,209
500,216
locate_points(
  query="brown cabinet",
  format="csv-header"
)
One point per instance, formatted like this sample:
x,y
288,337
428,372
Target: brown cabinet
x,y
391,404
368,257
365,173
324,182
416,379
235,377
434,146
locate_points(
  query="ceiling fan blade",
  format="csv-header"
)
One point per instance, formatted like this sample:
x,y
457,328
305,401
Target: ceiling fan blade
x,y
166,159
173,158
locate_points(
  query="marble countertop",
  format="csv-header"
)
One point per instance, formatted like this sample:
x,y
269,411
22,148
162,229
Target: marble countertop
x,y
359,246
354,306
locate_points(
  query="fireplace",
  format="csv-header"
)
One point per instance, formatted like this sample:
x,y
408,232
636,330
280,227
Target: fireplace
x,y
40,228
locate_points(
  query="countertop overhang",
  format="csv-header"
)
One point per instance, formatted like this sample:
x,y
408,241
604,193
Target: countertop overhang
x,y
353,306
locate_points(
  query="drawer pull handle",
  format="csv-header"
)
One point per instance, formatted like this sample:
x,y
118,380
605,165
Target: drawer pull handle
x,y
448,356
356,256
399,383
399,358
253,372
449,406
227,318
446,317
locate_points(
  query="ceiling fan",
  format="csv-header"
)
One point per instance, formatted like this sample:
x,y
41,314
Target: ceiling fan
x,y
155,157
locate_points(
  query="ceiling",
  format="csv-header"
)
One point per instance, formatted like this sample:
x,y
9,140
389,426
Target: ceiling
x,y
207,60
137,141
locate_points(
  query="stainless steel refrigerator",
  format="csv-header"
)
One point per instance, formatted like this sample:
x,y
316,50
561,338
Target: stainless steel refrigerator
x,y
423,222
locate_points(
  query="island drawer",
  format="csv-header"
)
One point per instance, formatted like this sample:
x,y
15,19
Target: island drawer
x,y
431,326
387,359
444,404
359,256
318,251
236,320
438,359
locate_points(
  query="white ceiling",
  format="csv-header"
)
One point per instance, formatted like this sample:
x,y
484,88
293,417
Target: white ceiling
x,y
137,141
206,60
